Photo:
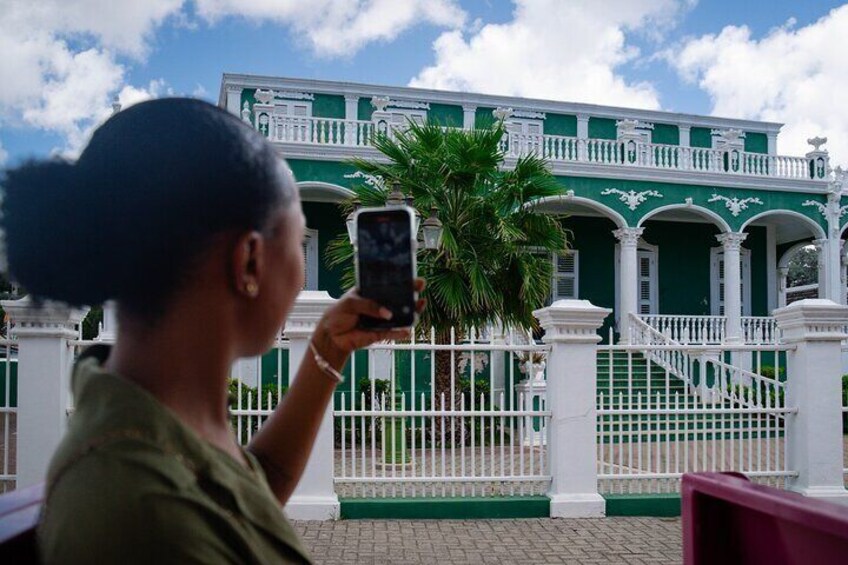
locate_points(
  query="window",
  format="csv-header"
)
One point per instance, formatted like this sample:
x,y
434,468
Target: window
x,y
565,275
310,256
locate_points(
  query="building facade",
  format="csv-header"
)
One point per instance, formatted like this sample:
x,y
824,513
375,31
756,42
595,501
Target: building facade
x,y
687,222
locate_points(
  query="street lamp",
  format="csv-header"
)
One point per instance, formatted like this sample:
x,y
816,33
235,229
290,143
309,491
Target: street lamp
x,y
395,196
432,230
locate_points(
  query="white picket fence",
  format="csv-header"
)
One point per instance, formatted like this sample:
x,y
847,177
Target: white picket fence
x,y
8,413
654,426
579,420
459,442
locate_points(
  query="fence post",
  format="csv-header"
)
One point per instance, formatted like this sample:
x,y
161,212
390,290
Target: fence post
x,y
314,498
44,363
571,329
816,327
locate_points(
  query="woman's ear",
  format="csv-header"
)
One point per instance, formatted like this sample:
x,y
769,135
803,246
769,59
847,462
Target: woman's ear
x,y
248,263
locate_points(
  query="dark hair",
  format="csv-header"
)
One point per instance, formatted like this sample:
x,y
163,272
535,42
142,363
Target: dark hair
x,y
156,182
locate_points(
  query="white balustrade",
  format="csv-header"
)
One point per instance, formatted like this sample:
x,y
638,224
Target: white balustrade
x,y
701,330
560,148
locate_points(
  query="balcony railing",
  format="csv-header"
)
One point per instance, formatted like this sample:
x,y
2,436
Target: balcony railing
x,y
565,149
711,330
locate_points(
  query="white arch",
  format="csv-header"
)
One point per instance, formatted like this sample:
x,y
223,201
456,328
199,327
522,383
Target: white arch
x,y
818,232
606,211
317,191
722,225
783,262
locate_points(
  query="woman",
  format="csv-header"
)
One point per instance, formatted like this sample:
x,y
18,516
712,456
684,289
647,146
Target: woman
x,y
192,224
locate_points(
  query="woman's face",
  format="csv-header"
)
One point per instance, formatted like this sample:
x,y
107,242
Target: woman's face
x,y
282,276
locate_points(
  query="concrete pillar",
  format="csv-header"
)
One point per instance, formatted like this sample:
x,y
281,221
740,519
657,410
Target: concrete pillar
x,y
685,137
814,367
772,142
44,365
782,274
582,136
732,242
469,117
571,329
314,498
628,283
234,99
771,268
351,108
821,254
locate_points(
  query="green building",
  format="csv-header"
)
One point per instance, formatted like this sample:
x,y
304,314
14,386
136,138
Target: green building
x,y
685,221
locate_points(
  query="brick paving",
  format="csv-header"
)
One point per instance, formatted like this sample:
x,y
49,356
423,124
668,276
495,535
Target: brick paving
x,y
535,541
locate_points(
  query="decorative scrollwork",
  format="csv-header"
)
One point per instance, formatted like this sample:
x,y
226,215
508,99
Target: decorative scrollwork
x,y
735,205
632,198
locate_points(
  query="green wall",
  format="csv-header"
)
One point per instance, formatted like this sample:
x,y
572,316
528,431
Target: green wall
x,y
756,242
683,264
756,142
365,109
445,115
483,117
593,239
700,137
559,124
324,171
328,106
665,133
328,220
602,128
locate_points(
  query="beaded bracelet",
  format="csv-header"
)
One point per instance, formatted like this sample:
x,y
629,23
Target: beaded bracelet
x,y
325,367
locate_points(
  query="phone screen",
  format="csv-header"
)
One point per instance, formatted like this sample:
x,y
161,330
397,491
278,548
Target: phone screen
x,y
385,264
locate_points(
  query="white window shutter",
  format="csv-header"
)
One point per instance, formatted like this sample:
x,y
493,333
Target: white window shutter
x,y
565,275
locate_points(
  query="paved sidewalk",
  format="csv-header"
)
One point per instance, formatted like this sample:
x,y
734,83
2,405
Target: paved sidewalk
x,y
604,541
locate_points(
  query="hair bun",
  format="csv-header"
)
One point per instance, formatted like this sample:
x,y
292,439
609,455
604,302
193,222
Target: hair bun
x,y
49,233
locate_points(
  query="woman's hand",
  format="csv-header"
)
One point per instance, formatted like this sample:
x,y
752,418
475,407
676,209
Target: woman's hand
x,y
338,333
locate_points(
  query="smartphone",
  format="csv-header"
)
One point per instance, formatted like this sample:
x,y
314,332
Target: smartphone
x,y
385,263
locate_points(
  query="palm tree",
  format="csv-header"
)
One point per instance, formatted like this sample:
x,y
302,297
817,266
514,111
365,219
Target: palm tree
x,y
494,263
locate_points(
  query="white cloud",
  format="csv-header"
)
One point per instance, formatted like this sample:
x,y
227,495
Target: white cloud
x,y
340,27
64,61
554,49
4,155
793,75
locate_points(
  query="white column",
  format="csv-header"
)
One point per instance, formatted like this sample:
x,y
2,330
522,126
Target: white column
x,y
772,143
814,433
782,274
821,255
571,329
497,363
380,364
582,136
314,498
833,253
44,364
771,268
109,326
234,100
469,116
351,108
628,282
685,138
732,242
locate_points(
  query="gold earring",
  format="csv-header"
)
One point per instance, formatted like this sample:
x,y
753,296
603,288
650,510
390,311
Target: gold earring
x,y
252,289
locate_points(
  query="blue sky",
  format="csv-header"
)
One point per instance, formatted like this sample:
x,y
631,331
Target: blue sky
x,y
62,70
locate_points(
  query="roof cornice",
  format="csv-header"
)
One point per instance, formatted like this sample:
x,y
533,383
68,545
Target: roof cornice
x,y
489,100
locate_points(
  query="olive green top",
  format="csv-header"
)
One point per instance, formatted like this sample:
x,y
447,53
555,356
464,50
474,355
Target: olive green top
x,y
131,484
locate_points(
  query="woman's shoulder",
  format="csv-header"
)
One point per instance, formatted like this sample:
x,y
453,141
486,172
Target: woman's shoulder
x,y
131,502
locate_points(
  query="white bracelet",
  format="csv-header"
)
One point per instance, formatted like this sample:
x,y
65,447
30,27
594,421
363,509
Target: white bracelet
x,y
325,367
